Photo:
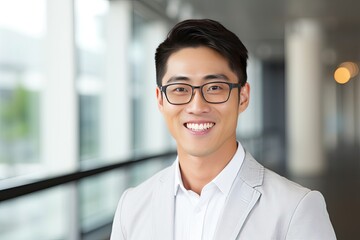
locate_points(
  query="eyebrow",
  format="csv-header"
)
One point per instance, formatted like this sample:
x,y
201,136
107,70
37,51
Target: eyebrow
x,y
207,77
216,76
177,78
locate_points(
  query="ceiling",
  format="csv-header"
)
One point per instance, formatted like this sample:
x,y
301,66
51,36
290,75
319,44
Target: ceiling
x,y
261,24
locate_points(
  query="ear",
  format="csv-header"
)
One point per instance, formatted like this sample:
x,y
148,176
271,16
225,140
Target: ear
x,y
244,97
160,99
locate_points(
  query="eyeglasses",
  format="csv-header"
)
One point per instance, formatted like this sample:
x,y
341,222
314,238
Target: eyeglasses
x,y
213,92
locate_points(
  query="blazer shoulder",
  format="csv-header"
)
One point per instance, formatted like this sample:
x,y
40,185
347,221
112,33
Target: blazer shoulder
x,y
278,182
267,181
145,188
135,206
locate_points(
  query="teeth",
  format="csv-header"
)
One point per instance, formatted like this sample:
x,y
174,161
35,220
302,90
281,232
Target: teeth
x,y
199,127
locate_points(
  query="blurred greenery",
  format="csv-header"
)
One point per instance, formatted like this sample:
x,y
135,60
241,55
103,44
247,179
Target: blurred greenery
x,y
18,125
14,115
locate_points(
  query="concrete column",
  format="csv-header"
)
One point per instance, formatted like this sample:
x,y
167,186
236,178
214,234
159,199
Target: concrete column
x,y
304,97
116,113
59,106
59,124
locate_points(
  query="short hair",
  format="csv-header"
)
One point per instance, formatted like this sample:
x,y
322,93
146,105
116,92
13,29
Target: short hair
x,y
207,33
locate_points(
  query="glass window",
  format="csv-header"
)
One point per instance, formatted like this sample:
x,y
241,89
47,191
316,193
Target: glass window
x,y
99,195
21,80
150,135
44,215
54,93
102,40
90,37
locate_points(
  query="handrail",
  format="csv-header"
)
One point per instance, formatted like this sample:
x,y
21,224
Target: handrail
x,y
23,189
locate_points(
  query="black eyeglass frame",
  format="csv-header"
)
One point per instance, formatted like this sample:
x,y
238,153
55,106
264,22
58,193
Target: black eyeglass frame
x,y
231,87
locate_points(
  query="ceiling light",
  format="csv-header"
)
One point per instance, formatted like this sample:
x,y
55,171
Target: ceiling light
x,y
342,75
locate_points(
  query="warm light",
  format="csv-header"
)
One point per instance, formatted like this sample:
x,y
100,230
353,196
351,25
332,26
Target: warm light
x,y
352,67
345,72
342,75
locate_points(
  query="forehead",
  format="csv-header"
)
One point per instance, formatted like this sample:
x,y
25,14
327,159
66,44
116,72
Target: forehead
x,y
193,54
196,62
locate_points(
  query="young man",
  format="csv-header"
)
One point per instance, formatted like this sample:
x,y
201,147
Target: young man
x,y
214,189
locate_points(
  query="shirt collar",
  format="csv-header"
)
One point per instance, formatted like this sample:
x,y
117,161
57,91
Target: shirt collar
x,y
178,179
224,179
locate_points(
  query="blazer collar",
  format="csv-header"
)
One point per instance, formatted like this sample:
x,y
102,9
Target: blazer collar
x,y
241,200
163,206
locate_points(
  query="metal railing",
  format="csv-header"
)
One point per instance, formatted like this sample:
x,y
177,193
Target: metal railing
x,y
46,183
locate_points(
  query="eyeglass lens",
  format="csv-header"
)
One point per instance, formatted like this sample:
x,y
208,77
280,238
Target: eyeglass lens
x,y
215,92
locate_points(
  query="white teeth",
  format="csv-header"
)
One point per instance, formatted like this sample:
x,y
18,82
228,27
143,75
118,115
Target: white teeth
x,y
199,127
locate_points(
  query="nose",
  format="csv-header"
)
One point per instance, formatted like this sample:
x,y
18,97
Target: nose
x,y
197,105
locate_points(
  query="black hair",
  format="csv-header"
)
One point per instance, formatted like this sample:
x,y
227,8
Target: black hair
x,y
207,33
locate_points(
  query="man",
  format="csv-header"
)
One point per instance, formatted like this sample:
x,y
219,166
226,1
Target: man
x,y
214,189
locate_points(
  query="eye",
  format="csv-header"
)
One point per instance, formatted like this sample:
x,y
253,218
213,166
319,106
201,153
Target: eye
x,y
216,87
180,89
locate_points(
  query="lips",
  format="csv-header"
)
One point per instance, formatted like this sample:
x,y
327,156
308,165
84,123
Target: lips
x,y
199,127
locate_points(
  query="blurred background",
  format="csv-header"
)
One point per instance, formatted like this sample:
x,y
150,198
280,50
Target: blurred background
x,y
79,121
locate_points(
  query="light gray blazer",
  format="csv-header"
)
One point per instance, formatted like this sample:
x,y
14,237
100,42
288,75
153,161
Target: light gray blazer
x,y
261,205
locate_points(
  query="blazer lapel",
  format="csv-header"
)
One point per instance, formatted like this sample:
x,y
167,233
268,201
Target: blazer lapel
x,y
163,202
241,200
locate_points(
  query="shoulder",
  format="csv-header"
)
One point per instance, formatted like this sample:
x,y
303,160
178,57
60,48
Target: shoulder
x,y
276,183
283,195
146,188
292,209
277,193
311,211
268,182
134,209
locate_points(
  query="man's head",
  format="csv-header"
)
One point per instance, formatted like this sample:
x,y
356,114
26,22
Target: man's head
x,y
203,33
201,71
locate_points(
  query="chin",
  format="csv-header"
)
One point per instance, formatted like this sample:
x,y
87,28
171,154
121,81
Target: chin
x,y
196,150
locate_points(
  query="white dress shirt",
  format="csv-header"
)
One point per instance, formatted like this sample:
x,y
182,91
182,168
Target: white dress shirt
x,y
196,216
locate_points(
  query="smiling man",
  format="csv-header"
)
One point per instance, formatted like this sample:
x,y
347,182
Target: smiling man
x,y
215,189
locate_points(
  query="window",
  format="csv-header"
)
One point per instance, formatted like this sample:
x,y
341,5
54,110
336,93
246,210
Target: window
x,y
77,81
44,215
149,135
102,41
90,17
21,80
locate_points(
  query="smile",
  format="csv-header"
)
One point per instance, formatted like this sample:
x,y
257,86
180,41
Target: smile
x,y
198,127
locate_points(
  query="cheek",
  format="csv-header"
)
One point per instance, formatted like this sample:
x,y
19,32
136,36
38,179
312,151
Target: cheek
x,y
171,114
173,123
230,115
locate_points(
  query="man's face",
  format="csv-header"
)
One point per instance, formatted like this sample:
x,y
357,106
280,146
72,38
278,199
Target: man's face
x,y
197,66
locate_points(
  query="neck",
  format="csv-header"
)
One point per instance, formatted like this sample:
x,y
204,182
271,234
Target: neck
x,y
197,171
